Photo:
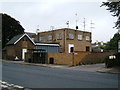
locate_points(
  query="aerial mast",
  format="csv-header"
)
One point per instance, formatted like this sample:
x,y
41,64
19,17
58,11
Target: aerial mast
x,y
76,22
84,24
91,25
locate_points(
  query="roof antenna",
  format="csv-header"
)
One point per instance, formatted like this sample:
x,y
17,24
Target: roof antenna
x,y
91,25
67,24
84,23
37,31
76,22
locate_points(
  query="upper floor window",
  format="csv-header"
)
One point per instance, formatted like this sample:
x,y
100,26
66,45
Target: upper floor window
x,y
41,38
49,37
33,39
71,36
79,37
59,36
87,38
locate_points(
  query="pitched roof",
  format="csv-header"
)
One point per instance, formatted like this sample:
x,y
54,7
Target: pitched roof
x,y
17,38
14,39
30,34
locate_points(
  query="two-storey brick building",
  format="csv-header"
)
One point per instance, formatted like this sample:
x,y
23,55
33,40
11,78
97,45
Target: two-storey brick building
x,y
70,40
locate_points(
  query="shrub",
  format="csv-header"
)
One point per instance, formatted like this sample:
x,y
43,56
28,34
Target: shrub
x,y
113,62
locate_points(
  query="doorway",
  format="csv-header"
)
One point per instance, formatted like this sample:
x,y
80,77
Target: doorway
x,y
71,48
87,48
23,53
51,61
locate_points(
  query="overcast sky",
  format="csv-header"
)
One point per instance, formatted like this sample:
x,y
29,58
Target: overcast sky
x,y
46,13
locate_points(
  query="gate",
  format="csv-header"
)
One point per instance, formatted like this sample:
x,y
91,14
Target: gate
x,y
39,56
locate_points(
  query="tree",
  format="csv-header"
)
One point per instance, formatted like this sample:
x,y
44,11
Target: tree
x,y
114,7
10,28
113,43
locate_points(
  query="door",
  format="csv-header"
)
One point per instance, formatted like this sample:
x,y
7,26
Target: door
x,y
51,61
23,53
40,57
71,48
87,48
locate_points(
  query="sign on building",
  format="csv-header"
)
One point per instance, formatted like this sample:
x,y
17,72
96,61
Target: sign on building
x,y
119,46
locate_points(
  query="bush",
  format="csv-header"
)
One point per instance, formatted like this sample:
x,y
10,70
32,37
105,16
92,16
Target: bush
x,y
113,62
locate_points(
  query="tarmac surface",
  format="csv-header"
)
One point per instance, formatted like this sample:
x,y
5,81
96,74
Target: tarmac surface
x,y
34,76
90,68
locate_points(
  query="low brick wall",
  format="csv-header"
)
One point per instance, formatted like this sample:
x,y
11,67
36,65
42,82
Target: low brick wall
x,y
78,57
96,57
61,58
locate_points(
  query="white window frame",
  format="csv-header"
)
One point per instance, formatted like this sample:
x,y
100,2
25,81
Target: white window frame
x,y
87,38
49,37
71,36
41,38
79,37
59,36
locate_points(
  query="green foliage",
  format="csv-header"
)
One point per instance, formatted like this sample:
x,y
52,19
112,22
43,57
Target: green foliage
x,y
113,43
113,62
114,7
10,28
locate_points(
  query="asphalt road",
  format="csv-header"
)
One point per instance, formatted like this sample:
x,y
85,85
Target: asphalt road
x,y
45,77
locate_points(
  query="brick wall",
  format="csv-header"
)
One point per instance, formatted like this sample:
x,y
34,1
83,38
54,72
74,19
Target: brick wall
x,y
96,57
61,58
78,57
79,45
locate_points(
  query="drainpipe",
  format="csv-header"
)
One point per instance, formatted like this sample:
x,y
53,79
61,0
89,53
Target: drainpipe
x,y
73,59
64,39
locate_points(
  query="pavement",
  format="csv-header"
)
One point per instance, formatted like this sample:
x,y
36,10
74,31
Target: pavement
x,y
90,68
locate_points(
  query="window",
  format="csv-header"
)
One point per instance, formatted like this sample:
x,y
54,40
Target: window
x,y
33,39
59,36
41,39
71,36
79,37
50,37
87,38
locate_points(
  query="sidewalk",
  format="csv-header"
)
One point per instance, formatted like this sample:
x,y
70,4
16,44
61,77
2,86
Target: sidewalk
x,y
38,64
114,70
90,68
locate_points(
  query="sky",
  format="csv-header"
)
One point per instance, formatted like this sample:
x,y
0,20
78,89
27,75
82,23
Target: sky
x,y
43,14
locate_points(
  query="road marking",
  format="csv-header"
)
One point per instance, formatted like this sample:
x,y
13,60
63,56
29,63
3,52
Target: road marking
x,y
4,84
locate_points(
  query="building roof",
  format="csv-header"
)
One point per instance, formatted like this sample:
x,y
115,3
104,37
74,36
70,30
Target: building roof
x,y
30,34
14,39
17,38
46,44
65,29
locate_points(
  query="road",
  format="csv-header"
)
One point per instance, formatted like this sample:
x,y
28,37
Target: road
x,y
45,77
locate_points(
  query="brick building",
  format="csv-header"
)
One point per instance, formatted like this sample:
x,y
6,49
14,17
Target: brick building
x,y
23,44
70,40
